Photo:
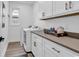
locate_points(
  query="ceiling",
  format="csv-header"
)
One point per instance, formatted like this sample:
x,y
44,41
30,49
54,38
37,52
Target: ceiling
x,y
24,2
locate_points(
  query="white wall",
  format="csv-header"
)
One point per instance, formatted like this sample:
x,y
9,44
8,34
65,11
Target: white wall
x,y
0,16
4,31
70,24
25,19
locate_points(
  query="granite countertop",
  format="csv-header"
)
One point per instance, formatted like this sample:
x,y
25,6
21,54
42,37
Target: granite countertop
x,y
68,42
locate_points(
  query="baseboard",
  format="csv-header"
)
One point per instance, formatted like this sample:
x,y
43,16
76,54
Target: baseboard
x,y
4,50
15,42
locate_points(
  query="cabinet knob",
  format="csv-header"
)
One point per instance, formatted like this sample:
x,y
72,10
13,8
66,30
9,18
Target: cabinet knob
x,y
70,4
43,13
35,44
3,25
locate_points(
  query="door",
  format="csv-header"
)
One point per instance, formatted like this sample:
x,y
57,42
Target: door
x,y
14,24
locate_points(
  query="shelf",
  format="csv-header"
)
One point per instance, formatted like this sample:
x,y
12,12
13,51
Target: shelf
x,y
66,14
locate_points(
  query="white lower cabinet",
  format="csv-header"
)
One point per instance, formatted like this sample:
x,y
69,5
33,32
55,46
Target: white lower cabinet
x,y
39,50
34,51
58,50
37,46
34,45
42,47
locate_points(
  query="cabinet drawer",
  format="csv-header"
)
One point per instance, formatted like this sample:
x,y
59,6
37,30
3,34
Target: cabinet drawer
x,y
37,38
49,53
59,50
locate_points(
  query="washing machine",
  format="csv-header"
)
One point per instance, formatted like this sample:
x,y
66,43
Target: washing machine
x,y
27,38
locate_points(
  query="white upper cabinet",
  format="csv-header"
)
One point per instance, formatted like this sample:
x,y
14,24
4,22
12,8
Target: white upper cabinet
x,y
59,7
75,5
45,8
62,7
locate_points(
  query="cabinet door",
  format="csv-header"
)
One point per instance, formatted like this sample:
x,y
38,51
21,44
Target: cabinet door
x,y
54,8
34,45
59,7
37,47
34,50
48,8
75,5
45,8
41,9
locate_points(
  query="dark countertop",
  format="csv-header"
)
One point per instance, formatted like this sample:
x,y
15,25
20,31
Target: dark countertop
x,y
68,42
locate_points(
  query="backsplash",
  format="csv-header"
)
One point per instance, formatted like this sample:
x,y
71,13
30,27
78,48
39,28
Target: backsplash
x,y
70,24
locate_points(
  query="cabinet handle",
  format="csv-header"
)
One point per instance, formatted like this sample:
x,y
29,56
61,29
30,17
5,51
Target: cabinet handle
x,y
56,50
66,6
70,4
35,44
43,14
